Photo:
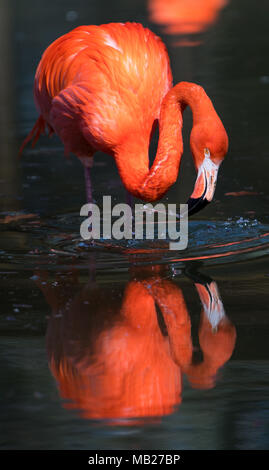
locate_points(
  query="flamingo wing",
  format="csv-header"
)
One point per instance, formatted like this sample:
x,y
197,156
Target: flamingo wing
x,y
99,83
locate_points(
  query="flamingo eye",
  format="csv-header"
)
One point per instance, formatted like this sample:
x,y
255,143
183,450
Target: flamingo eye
x,y
207,153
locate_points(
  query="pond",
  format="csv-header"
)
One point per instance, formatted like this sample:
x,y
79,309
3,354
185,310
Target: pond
x,y
130,345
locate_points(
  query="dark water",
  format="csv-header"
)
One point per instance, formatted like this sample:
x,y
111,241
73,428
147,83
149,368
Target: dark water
x,y
132,346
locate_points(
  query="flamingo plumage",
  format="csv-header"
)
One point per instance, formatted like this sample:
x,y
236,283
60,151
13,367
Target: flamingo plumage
x,y
104,88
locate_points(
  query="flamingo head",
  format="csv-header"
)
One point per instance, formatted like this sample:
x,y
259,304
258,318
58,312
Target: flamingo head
x,y
209,145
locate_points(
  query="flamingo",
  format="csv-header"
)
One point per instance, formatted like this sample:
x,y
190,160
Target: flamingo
x,y
104,88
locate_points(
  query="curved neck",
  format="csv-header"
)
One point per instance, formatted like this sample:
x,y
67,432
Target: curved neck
x,y
132,154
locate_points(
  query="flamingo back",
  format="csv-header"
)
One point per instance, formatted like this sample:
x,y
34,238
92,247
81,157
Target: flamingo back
x,y
98,84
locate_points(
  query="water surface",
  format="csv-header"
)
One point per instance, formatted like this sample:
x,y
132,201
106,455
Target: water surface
x,y
129,345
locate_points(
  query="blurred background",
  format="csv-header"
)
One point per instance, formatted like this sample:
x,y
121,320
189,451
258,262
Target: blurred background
x,y
50,394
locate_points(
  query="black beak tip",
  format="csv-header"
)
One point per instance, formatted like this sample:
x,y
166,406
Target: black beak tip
x,y
195,205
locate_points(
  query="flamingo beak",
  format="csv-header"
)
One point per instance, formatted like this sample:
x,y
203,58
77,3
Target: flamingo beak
x,y
205,185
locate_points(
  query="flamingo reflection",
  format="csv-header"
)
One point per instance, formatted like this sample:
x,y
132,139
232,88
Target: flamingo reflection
x,y
185,17
119,355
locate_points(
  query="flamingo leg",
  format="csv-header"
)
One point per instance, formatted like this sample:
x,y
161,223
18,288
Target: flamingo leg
x,y
88,183
88,187
87,163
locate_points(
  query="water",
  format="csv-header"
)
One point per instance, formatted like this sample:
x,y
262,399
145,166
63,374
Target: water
x,y
128,345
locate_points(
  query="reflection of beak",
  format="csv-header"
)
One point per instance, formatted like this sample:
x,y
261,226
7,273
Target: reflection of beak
x,y
212,304
204,186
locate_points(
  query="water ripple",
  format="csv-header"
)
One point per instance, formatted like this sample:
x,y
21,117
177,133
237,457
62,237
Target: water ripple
x,y
28,240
